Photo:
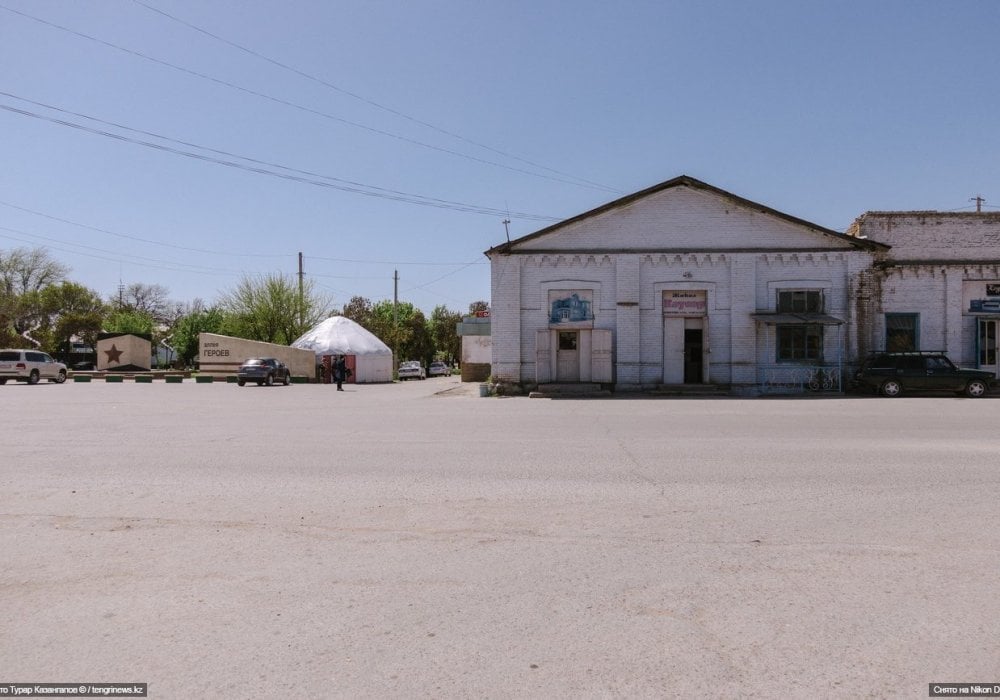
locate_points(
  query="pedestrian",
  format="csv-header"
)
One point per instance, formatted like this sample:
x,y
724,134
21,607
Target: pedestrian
x,y
340,371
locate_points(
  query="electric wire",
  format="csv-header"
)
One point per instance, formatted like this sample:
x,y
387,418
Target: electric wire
x,y
363,99
293,105
407,198
256,161
137,238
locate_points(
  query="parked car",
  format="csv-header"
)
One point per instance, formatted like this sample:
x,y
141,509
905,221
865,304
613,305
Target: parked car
x,y
263,370
411,370
438,369
893,373
30,366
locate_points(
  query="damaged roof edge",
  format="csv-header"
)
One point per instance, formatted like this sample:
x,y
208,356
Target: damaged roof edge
x,y
693,183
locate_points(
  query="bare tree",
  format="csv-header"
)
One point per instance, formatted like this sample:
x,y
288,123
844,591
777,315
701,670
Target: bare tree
x,y
23,271
148,299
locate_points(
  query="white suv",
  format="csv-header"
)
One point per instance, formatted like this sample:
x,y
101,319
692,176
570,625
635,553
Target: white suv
x,y
30,366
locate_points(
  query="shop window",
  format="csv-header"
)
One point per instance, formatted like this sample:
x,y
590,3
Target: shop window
x,y
799,343
901,332
800,301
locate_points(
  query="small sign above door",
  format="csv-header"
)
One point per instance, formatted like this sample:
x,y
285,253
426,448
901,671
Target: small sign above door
x,y
684,303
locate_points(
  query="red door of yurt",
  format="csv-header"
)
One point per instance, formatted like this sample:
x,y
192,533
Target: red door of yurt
x,y
352,368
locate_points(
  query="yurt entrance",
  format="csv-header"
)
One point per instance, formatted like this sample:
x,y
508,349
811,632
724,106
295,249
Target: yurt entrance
x,y
350,361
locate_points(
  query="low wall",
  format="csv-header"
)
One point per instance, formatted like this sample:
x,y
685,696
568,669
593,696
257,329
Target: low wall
x,y
222,355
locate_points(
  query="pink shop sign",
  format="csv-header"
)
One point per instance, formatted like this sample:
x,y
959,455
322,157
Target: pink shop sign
x,y
684,303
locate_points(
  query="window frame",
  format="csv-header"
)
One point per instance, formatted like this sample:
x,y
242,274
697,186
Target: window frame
x,y
797,335
789,294
914,330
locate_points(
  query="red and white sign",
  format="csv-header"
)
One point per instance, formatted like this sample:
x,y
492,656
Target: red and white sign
x,y
684,303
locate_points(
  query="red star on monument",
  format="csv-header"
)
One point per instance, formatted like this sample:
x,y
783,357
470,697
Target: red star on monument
x,y
114,354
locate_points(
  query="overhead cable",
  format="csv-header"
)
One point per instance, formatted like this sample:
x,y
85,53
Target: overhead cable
x,y
361,98
327,181
287,103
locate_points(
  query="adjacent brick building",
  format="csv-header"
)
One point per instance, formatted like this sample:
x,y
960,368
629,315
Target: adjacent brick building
x,y
938,286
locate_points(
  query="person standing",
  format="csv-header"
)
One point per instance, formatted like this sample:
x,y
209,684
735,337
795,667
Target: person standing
x,y
340,371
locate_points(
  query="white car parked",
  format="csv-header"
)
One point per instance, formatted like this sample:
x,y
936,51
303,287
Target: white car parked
x,y
438,369
411,370
30,366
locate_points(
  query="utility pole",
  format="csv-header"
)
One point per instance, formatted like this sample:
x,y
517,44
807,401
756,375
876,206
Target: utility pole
x,y
395,313
302,274
506,228
978,199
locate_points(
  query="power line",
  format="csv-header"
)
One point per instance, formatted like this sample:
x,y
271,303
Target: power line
x,y
328,181
118,257
227,253
287,103
361,98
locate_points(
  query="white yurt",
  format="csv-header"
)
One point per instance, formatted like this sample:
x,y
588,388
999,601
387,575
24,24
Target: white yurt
x,y
368,357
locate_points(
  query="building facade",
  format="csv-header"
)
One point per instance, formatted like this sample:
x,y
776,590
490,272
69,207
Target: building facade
x,y
937,287
681,283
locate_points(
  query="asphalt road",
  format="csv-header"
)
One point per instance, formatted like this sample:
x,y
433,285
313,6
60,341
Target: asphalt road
x,y
388,541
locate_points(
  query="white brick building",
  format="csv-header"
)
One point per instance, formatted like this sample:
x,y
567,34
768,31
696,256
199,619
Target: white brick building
x,y
681,283
937,287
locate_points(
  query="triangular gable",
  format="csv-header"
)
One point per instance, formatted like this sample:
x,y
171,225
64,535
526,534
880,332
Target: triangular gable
x,y
683,214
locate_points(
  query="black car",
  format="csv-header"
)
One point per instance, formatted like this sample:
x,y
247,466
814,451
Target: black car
x,y
893,373
263,370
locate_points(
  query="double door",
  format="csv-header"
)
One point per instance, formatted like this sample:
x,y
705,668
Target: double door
x,y
684,351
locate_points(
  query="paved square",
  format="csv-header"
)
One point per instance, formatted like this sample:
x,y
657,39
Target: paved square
x,y
216,541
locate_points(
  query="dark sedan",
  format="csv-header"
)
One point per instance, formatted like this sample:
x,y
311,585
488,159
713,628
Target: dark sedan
x,y
264,370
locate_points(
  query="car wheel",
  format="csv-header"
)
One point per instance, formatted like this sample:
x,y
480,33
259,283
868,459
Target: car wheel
x,y
60,378
269,380
33,377
3,381
976,388
892,388
287,380
240,382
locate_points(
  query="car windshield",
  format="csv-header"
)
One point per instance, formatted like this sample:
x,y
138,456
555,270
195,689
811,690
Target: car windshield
x,y
253,362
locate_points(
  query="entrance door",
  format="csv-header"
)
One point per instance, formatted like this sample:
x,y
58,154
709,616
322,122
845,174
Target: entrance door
x,y
987,343
568,357
673,350
693,358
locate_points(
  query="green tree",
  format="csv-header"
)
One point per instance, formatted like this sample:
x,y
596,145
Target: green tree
x,y
23,274
361,311
444,330
479,306
269,308
127,321
185,332
73,310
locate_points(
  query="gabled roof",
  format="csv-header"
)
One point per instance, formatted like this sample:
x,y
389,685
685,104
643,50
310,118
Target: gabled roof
x,y
686,181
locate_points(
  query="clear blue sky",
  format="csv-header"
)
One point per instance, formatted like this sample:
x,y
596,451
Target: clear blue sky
x,y
544,109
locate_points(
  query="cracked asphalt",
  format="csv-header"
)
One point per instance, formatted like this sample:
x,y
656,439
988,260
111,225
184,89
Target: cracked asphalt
x,y
415,540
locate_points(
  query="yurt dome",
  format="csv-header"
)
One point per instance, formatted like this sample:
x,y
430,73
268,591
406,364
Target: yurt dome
x,y
338,335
